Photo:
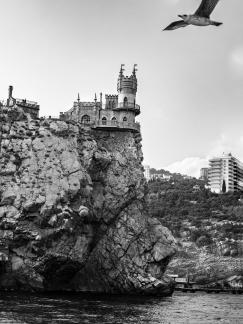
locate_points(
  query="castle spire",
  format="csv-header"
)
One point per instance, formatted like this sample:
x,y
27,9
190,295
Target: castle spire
x,y
95,98
120,78
78,98
134,70
121,70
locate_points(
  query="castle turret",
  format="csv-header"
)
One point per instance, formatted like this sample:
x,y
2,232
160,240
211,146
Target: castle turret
x,y
10,101
127,89
30,107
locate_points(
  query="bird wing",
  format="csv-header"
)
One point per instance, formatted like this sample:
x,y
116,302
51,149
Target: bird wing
x,y
206,7
176,24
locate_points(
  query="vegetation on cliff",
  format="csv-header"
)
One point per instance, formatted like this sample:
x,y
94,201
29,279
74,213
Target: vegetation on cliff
x,y
208,226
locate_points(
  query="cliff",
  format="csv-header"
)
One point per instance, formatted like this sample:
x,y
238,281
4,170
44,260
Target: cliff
x,y
73,213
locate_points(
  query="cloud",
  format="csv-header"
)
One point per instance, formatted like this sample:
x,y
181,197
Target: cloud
x,y
190,166
223,144
227,144
172,2
236,60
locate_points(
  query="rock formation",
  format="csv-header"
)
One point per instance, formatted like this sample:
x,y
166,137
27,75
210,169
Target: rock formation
x,y
72,210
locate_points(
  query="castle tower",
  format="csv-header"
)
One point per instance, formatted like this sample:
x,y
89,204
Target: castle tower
x,y
10,100
127,90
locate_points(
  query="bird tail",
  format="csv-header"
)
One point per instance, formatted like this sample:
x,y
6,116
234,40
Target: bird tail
x,y
216,23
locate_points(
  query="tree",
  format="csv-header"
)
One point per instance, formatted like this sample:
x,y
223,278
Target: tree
x,y
224,187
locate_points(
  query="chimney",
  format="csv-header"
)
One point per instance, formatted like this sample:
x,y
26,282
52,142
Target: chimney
x,y
10,92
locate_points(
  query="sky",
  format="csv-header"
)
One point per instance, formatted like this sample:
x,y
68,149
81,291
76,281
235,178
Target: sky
x,y
190,81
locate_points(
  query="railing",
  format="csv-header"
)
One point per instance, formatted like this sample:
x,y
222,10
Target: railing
x,y
115,124
102,124
53,117
128,106
26,102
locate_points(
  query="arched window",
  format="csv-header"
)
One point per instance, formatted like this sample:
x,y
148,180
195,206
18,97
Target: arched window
x,y
113,119
113,104
104,121
125,101
124,119
85,119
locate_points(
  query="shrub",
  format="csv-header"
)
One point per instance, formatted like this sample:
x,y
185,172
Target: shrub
x,y
204,240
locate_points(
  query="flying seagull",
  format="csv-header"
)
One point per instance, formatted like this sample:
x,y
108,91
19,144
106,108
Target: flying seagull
x,y
200,18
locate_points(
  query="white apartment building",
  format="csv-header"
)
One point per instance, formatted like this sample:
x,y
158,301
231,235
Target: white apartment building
x,y
204,174
225,171
147,172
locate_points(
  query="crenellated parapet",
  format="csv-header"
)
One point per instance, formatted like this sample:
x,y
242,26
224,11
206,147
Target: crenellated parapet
x,y
111,101
127,84
111,96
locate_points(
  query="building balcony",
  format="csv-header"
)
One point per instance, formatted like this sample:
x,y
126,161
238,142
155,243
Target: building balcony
x,y
129,106
114,125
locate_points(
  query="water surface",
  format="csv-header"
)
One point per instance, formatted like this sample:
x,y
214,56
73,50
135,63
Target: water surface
x,y
189,308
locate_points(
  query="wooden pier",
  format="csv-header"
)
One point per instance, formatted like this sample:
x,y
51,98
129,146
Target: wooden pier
x,y
187,286
210,290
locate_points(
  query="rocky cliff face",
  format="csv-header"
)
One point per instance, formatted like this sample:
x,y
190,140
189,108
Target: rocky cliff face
x,y
73,213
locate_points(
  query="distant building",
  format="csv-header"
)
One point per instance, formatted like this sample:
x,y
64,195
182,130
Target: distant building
x,y
187,177
204,174
156,176
30,107
167,177
225,174
118,112
196,188
161,176
147,172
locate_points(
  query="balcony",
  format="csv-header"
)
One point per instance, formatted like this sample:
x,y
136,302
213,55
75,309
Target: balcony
x,y
114,125
129,106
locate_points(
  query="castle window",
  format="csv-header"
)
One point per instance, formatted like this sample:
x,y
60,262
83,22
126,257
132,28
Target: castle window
x,y
124,119
104,121
114,120
113,104
125,101
85,119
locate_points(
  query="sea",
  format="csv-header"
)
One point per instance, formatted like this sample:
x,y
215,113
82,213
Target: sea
x,y
197,308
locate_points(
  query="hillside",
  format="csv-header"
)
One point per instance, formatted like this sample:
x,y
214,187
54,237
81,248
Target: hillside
x,y
208,227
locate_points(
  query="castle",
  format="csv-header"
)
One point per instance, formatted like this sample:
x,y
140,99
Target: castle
x,y
118,112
